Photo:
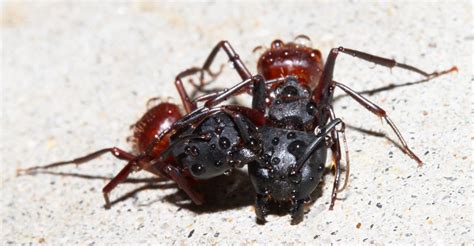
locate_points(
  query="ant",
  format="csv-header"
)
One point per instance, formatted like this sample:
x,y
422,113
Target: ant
x,y
283,137
299,120
205,142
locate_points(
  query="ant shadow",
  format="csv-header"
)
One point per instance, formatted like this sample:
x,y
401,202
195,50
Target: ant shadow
x,y
370,92
376,134
220,193
388,87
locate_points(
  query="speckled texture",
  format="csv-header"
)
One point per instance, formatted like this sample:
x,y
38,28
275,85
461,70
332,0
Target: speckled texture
x,y
76,75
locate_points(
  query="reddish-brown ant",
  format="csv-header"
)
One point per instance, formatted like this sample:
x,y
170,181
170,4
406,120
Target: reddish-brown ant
x,y
292,98
152,134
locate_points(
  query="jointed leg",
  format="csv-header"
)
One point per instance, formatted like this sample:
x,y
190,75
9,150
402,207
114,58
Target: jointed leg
x,y
119,178
336,151
133,164
390,62
348,166
233,57
189,105
261,207
328,72
314,144
297,211
381,113
258,91
196,117
184,183
240,125
212,99
120,154
234,111
258,101
159,168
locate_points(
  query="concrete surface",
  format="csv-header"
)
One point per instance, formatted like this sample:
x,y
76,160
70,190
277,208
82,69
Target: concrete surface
x,y
75,75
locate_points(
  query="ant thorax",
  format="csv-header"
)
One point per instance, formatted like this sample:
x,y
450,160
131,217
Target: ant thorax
x,y
292,107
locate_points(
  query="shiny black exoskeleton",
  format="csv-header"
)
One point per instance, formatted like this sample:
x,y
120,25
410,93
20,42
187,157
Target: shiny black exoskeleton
x,y
292,107
285,157
225,147
293,155
275,180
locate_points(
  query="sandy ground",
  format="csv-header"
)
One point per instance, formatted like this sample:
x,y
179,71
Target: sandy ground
x,y
75,75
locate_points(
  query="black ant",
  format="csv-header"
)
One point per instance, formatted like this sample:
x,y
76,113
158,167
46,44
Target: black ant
x,y
283,137
298,119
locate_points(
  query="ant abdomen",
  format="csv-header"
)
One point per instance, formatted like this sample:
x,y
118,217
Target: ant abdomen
x,y
153,122
291,59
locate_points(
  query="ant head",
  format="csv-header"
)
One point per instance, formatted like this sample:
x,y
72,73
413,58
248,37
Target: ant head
x,y
291,59
292,107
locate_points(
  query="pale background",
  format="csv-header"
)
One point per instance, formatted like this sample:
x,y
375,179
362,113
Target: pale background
x,y
75,75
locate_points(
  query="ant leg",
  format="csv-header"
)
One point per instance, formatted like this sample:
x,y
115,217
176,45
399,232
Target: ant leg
x,y
255,116
261,207
240,124
160,166
258,101
165,154
380,113
348,166
189,105
336,157
328,72
258,92
233,57
297,211
212,99
184,183
120,154
196,117
314,145
119,178
161,169
390,63
336,151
